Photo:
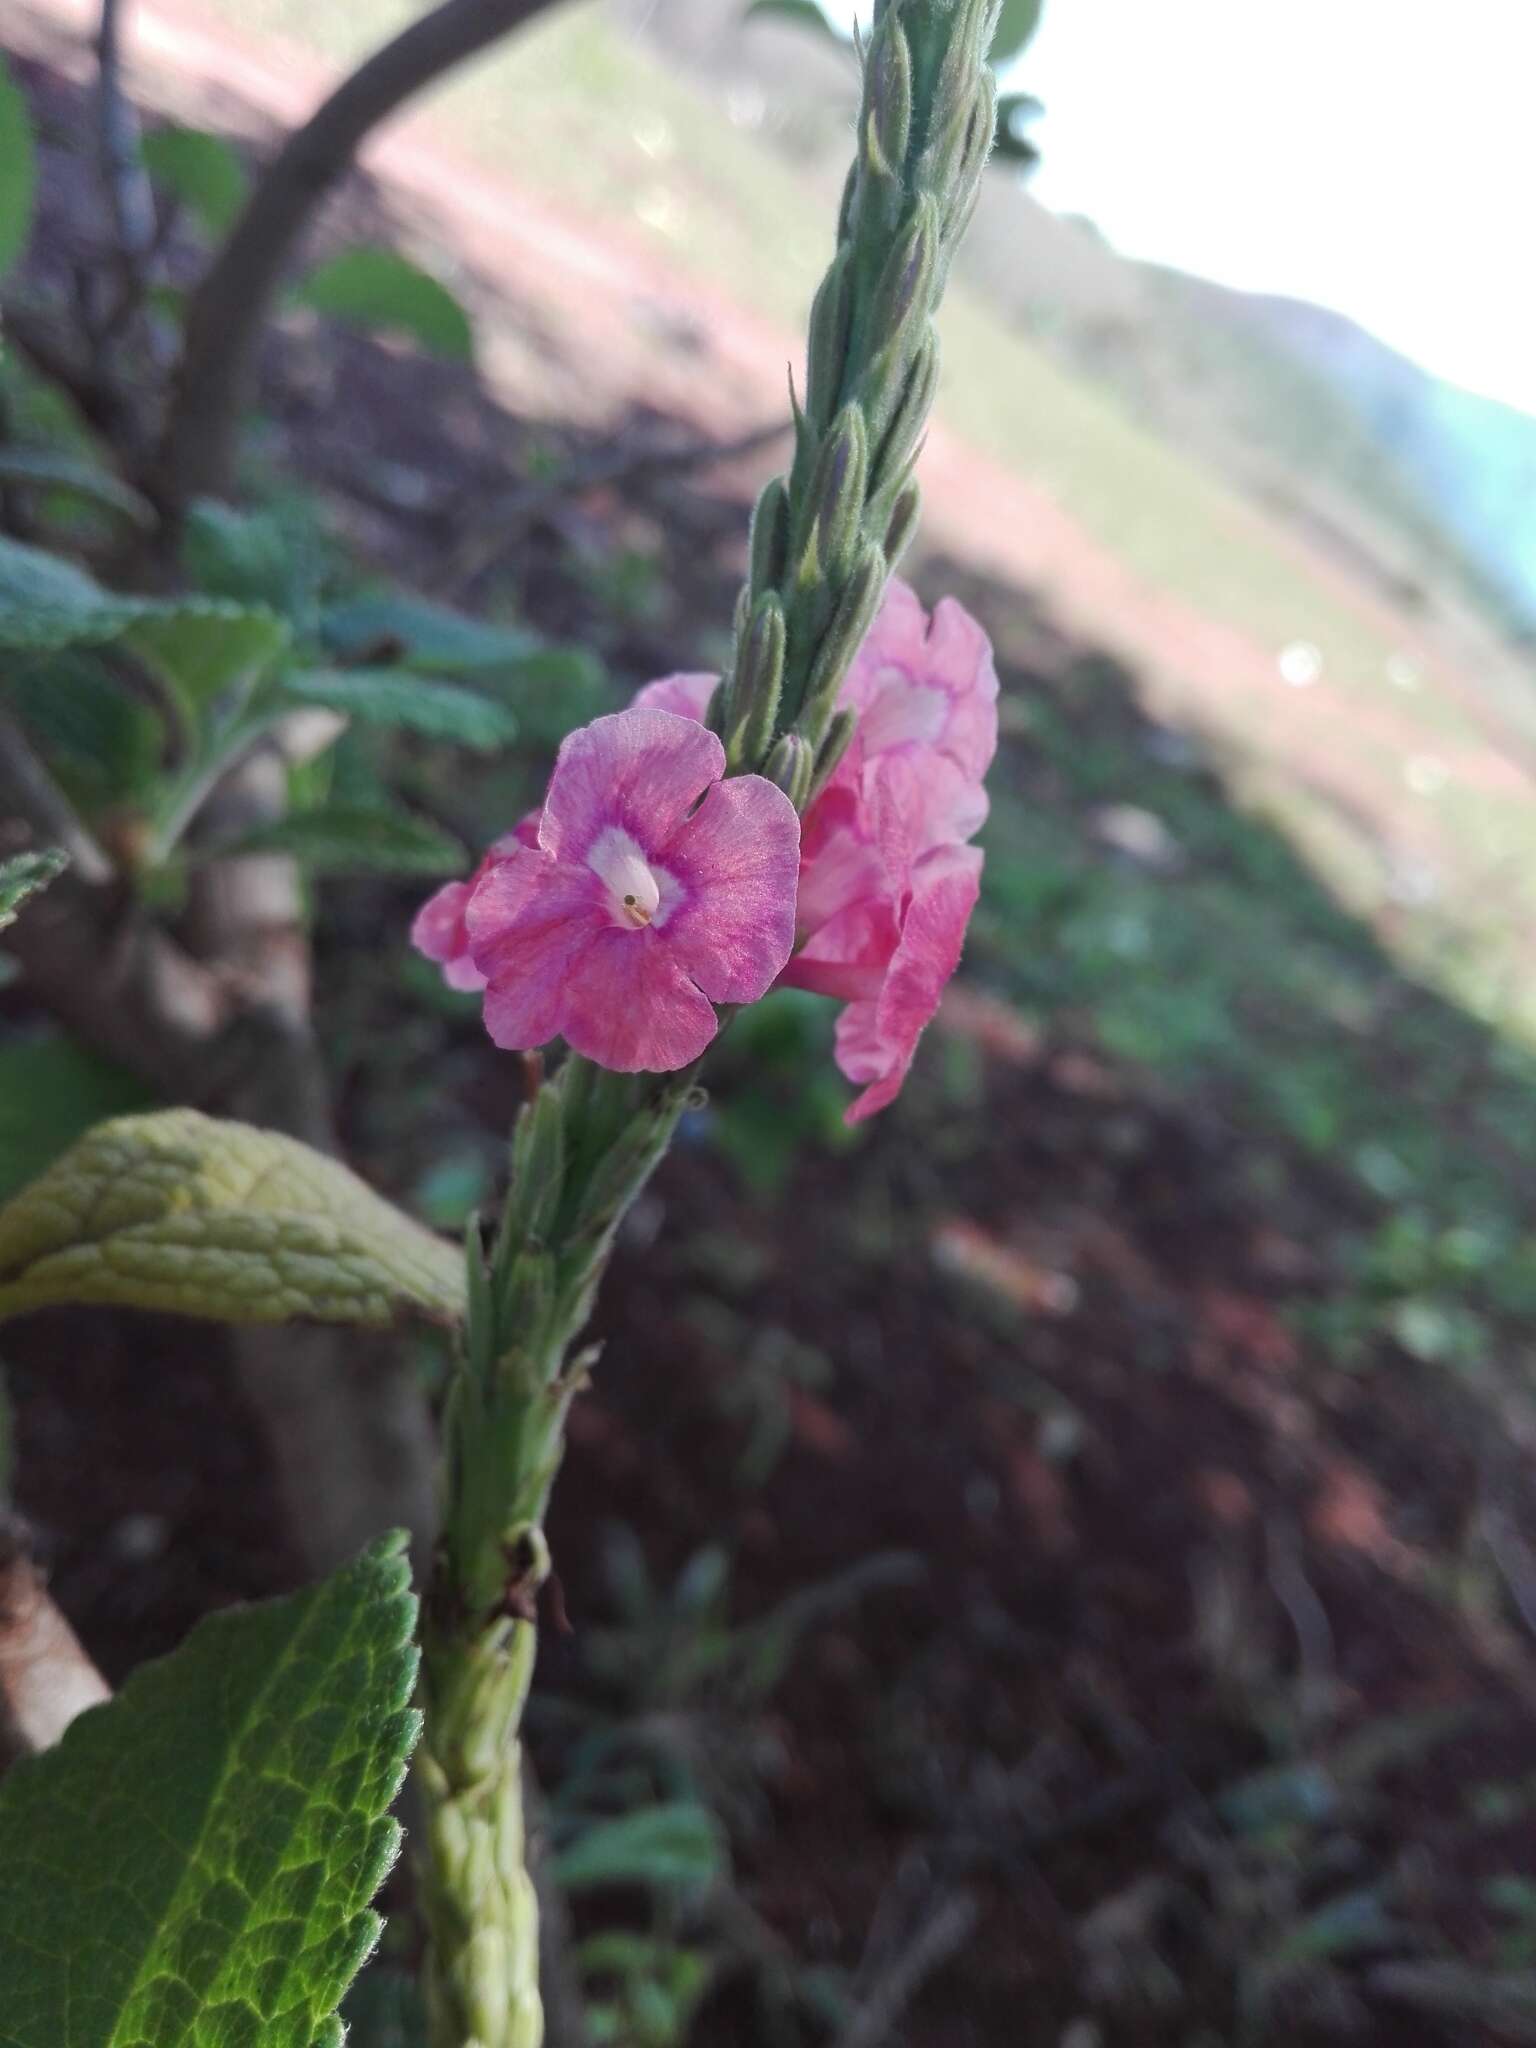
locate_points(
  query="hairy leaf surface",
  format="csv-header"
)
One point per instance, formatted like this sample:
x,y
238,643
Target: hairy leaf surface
x,y
179,1211
192,1866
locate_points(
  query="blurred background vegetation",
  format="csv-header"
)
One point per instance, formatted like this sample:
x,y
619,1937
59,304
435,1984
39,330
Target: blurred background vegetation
x,y
1056,1567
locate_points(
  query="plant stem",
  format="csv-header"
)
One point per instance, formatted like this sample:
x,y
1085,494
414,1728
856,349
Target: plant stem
x,y
582,1151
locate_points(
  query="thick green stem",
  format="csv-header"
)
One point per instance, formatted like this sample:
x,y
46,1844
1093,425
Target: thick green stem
x,y
482,1975
581,1153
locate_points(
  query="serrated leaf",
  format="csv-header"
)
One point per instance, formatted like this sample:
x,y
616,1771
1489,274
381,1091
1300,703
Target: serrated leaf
x,y
51,1091
374,287
353,839
20,877
393,697
46,602
425,636
18,170
183,1212
192,1866
1016,24
49,469
208,651
203,172
674,1844
255,558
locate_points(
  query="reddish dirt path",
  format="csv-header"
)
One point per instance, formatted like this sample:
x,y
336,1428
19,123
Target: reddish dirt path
x,y
667,338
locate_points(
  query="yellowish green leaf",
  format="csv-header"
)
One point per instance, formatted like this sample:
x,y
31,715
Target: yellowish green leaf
x,y
176,1210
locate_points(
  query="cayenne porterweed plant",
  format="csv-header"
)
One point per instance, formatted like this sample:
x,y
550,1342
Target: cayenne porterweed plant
x,y
804,820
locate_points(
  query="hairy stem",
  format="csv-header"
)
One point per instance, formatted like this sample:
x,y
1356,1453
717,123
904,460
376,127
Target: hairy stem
x,y
582,1151
228,311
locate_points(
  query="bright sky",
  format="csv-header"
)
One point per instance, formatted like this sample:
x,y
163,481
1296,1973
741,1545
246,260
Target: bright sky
x,y
1371,154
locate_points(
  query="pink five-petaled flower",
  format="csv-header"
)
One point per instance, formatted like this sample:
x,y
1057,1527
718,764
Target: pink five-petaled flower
x,y
887,882
654,890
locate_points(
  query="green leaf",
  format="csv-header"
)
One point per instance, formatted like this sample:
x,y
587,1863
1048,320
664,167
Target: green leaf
x,y
671,1845
378,288
18,170
48,469
50,1092
422,635
353,839
192,1866
242,556
20,877
804,13
395,697
201,170
179,1211
208,652
1016,25
46,602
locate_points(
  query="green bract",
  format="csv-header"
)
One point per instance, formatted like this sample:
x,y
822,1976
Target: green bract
x,y
180,1211
192,1866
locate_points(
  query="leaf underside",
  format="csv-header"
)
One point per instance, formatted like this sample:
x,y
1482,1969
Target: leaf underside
x,y
178,1211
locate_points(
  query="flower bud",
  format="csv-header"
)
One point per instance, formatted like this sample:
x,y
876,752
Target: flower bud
x,y
902,524
769,546
789,767
831,314
842,476
898,444
834,745
758,681
906,282
888,94
857,603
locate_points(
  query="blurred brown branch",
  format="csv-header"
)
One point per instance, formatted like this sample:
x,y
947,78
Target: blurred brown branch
x,y
229,308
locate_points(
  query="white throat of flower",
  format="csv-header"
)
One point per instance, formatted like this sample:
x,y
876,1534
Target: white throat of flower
x,y
634,890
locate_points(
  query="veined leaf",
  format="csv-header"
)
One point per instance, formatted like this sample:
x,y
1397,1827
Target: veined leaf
x,y
192,1866
373,287
22,876
392,697
18,170
49,469
352,839
203,172
179,1211
50,1092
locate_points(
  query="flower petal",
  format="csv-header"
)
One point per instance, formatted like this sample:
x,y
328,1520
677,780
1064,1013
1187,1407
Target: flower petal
x,y
737,859
876,1040
628,1003
640,769
529,922
686,694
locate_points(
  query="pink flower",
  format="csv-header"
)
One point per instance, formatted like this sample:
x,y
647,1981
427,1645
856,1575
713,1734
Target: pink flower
x,y
654,890
887,883
438,930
